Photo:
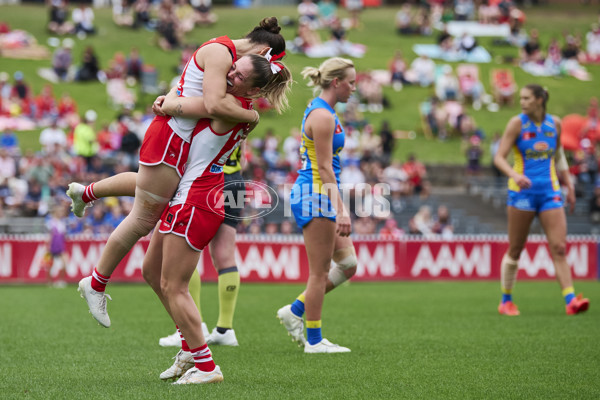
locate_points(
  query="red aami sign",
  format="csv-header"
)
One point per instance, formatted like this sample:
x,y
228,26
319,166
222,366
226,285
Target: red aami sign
x,y
283,259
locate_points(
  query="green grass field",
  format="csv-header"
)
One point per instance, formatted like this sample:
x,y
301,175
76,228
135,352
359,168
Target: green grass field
x,y
568,95
427,340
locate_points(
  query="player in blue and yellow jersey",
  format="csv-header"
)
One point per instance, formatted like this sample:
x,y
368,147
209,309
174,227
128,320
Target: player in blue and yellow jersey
x,y
534,189
317,204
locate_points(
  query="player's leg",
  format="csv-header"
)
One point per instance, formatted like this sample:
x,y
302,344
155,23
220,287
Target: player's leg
x,y
345,261
344,268
222,251
554,223
152,265
319,240
519,222
179,263
122,184
155,187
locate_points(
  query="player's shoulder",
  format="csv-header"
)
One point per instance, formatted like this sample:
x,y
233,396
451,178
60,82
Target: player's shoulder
x,y
321,115
515,124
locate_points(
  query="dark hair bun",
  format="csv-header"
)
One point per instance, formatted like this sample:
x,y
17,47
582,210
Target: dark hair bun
x,y
270,24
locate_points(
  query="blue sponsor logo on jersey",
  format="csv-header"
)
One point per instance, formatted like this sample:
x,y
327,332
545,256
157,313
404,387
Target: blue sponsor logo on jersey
x,y
216,169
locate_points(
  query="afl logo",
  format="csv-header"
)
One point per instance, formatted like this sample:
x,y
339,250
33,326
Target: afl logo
x,y
528,135
338,129
540,146
234,195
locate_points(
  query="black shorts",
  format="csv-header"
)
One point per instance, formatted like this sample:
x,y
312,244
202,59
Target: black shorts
x,y
232,215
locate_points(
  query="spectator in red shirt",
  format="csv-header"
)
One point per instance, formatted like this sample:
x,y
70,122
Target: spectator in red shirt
x,y
45,105
66,106
417,175
390,230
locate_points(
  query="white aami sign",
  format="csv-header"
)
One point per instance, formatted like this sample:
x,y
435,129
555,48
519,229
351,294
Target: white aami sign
x,y
380,262
478,261
577,260
262,260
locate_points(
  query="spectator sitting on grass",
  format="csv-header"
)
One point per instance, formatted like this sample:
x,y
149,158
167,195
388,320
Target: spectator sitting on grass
x,y
58,23
422,70
89,70
62,60
204,14
397,69
83,18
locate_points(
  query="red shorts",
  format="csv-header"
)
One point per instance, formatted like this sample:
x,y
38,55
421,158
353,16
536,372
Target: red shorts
x,y
163,146
196,225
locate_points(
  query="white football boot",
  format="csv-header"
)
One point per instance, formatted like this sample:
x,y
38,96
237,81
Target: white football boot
x,y
173,340
222,339
195,376
293,323
183,362
96,301
78,206
324,346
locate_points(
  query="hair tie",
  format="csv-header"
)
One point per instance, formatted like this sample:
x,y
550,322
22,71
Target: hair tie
x,y
277,56
275,66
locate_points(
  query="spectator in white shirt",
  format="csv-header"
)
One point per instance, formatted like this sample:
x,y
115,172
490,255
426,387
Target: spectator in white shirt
x,y
423,70
83,18
53,136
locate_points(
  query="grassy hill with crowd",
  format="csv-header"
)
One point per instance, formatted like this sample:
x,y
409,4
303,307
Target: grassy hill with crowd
x,y
567,95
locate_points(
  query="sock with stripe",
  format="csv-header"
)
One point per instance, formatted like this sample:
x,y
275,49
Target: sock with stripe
x,y
298,306
184,345
313,332
569,294
506,295
88,194
229,286
99,281
203,358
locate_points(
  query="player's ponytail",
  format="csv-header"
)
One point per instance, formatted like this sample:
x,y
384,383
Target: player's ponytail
x,y
274,84
330,69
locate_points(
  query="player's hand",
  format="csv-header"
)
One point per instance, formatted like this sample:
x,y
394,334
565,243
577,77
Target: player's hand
x,y
522,181
157,106
343,225
250,126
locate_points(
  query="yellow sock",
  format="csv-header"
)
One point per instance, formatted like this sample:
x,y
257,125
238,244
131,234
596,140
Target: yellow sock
x,y
229,286
194,288
568,290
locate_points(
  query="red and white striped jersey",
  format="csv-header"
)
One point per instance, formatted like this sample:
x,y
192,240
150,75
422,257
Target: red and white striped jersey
x,y
190,85
202,183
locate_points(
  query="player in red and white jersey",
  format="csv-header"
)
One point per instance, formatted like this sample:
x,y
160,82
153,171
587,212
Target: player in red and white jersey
x,y
201,186
191,221
164,153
